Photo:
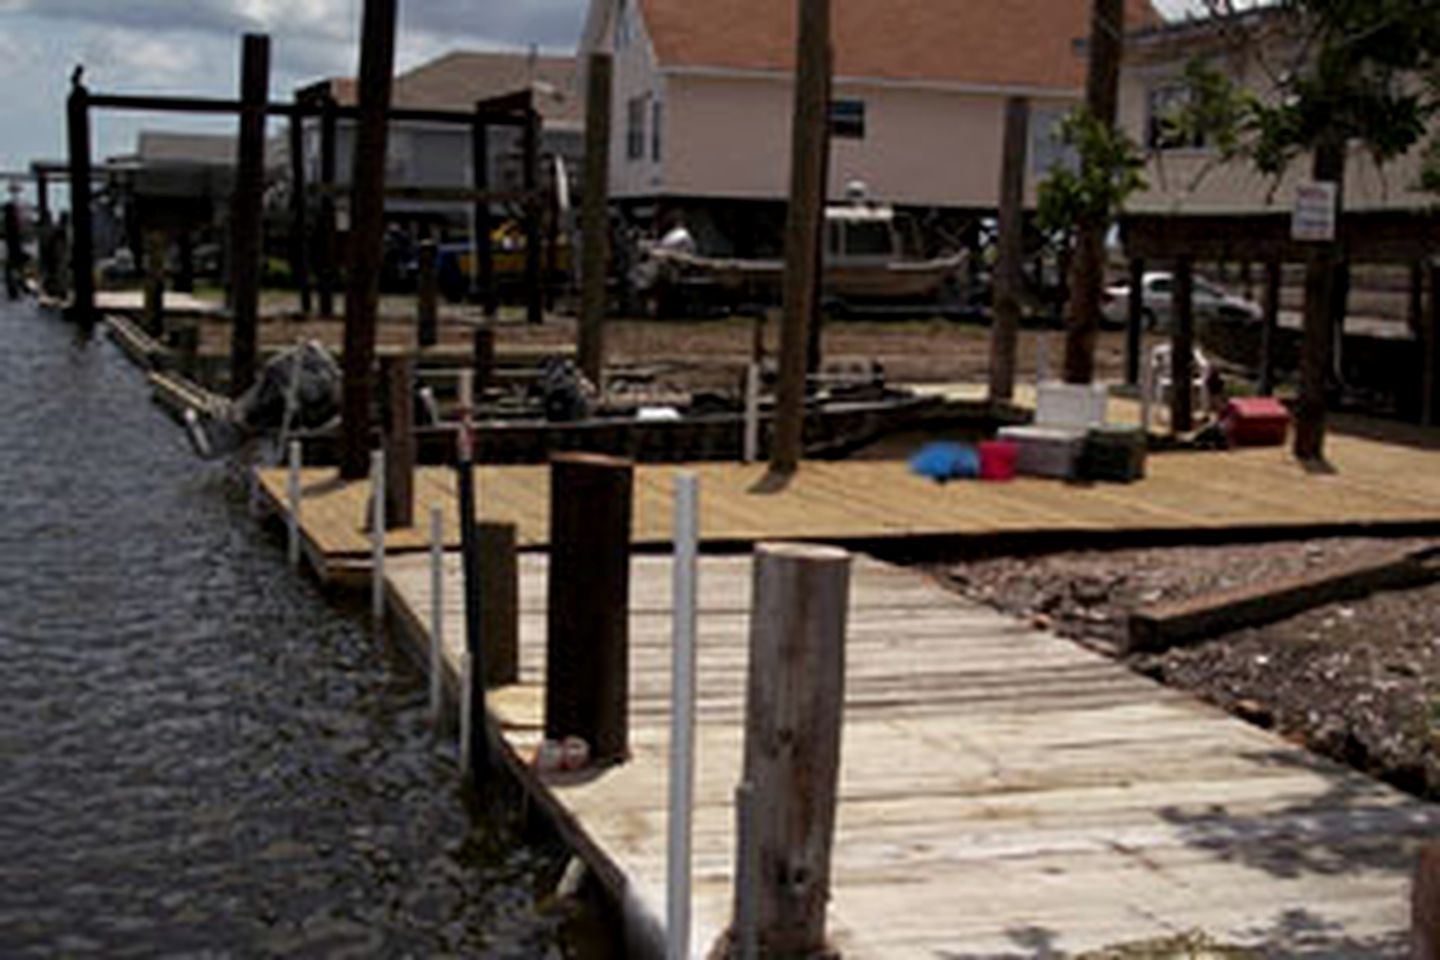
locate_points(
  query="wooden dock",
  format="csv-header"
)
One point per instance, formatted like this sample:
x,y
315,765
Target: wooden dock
x,y
1004,793
1375,486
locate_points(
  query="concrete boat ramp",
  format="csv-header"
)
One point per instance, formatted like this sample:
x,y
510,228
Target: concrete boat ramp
x,y
1003,792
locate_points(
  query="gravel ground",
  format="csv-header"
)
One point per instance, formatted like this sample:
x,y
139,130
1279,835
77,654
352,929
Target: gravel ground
x,y
1358,682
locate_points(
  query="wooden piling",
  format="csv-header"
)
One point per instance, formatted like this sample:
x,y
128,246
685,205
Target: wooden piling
x,y
482,277
154,314
82,225
1270,325
14,250
326,245
1425,905
367,226
397,373
1182,348
498,568
793,716
530,153
806,210
587,683
246,220
1135,322
595,216
185,272
474,740
483,351
1430,405
427,328
1005,327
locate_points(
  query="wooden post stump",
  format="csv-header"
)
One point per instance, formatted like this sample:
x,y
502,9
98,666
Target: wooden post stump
x,y
428,321
397,374
1425,905
499,574
587,682
794,708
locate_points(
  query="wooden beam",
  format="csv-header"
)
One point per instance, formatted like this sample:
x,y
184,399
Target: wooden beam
x,y
82,225
427,290
397,373
499,573
367,228
1182,348
803,224
326,246
299,230
1135,322
595,217
815,332
1161,626
1010,251
794,706
247,235
1317,347
587,667
1425,905
482,274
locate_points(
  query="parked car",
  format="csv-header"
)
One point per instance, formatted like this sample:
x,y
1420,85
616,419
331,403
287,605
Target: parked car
x,y
1211,302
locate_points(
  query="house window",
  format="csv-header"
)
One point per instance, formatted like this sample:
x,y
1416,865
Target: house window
x,y
635,129
1165,103
655,117
847,119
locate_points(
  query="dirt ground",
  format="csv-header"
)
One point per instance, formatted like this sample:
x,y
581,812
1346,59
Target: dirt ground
x,y
1358,682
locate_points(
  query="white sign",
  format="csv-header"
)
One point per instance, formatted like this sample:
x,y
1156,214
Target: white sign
x,y
1313,219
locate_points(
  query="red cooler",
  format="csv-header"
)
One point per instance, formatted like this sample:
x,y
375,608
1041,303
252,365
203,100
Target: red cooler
x,y
997,460
1255,422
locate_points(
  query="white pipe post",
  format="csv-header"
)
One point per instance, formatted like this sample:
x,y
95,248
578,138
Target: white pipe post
x,y
752,413
682,713
377,536
466,720
437,612
292,520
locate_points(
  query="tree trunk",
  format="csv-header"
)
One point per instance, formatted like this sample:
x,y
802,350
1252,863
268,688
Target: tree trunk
x,y
1317,348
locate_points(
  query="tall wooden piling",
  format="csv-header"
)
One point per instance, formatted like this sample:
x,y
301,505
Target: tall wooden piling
x,y
587,682
326,251
246,222
1135,322
1430,401
427,327
397,373
530,154
1182,348
367,226
82,225
803,224
595,216
1005,326
793,716
498,571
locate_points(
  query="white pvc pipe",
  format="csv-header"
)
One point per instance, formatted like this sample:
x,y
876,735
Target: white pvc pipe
x,y
292,520
752,413
437,612
377,536
682,713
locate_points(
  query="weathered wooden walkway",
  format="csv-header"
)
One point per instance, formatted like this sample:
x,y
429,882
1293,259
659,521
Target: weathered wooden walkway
x,y
1003,792
1261,490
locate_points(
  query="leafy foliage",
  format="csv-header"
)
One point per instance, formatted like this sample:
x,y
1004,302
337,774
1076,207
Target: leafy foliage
x,y
1109,171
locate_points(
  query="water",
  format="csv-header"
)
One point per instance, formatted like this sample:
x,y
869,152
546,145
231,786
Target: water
x,y
200,753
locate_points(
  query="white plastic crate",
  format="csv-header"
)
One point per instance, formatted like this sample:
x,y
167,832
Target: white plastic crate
x,y
1075,406
1046,451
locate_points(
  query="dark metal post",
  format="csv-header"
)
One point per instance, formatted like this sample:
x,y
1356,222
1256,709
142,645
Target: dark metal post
x,y
595,217
1135,322
1182,348
482,276
82,225
1005,329
367,226
398,375
299,246
534,283
587,682
1270,325
246,224
428,297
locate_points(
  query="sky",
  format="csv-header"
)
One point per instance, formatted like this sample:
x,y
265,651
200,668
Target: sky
x,y
193,47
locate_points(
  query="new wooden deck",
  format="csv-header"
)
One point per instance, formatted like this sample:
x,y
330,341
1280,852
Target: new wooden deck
x,y
1375,485
1004,792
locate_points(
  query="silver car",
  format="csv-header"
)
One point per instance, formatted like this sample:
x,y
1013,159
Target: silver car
x,y
1210,303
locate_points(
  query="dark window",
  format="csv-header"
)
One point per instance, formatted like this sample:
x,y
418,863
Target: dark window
x,y
847,119
635,129
864,239
655,117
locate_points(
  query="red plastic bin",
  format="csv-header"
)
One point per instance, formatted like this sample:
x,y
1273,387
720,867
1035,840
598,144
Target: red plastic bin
x,y
1255,422
997,459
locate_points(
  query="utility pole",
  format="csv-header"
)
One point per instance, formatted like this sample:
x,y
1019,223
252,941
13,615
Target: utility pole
x,y
367,227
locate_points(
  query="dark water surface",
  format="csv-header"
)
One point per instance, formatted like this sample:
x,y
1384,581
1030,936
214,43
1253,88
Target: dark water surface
x,y
201,754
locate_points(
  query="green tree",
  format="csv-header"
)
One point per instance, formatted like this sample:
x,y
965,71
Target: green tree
x,y
1343,72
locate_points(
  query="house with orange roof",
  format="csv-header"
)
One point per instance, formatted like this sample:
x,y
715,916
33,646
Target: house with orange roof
x,y
702,102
